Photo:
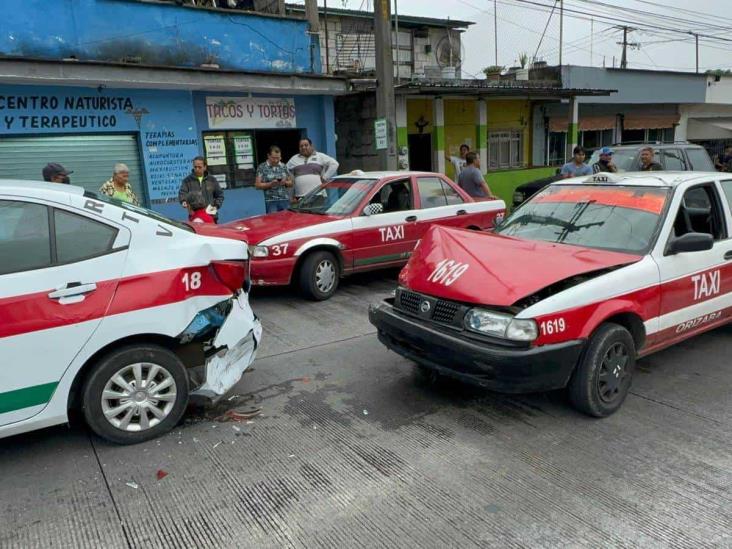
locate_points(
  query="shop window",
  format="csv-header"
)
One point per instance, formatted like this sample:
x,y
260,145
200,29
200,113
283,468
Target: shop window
x,y
594,139
505,149
557,148
232,156
650,135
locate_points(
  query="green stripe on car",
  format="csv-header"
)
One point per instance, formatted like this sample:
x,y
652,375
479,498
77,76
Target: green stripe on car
x,y
26,397
381,259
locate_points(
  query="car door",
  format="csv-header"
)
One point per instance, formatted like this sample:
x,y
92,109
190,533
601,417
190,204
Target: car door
x,y
58,275
695,286
441,204
385,230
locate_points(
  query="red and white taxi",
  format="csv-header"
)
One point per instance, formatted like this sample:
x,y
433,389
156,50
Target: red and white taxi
x,y
115,310
581,280
354,223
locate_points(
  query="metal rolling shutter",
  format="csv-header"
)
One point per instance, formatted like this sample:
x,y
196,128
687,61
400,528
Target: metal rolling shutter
x,y
91,157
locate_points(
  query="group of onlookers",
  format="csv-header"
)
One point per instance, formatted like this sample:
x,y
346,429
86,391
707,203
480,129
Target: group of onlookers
x,y
118,186
577,167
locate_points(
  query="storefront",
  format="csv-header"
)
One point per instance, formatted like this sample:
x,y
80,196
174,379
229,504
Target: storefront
x,y
156,133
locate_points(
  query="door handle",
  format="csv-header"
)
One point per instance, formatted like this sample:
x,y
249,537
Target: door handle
x,y
411,218
461,212
72,289
728,255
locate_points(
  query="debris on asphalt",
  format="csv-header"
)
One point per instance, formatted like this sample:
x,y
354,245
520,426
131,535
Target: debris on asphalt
x,y
238,414
365,412
132,485
219,442
237,429
160,475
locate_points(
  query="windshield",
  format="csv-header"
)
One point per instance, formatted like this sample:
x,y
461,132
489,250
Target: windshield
x,y
138,210
617,218
338,197
624,159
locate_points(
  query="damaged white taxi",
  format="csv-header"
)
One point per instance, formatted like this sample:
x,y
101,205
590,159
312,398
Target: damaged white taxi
x,y
116,311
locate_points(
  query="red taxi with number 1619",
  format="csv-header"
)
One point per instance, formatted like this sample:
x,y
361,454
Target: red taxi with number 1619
x,y
588,275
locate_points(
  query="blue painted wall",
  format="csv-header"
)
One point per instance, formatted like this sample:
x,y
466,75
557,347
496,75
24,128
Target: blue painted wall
x,y
156,34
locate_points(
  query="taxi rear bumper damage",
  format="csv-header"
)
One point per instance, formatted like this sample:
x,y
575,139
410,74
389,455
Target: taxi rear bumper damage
x,y
499,368
218,346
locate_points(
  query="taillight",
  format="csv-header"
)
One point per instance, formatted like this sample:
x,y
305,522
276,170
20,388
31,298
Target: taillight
x,y
231,273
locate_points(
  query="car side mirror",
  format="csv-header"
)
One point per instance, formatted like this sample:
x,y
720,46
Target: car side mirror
x,y
373,209
690,242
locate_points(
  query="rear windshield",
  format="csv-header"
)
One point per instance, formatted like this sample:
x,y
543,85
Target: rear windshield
x,y
626,160
138,210
617,218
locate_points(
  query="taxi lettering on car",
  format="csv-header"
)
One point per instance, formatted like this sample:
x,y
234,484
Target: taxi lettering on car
x,y
586,277
354,223
114,310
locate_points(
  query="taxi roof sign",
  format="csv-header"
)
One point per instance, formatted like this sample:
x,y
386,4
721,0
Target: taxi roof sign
x,y
604,177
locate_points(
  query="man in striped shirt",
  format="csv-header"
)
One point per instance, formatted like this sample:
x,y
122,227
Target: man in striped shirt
x,y
310,168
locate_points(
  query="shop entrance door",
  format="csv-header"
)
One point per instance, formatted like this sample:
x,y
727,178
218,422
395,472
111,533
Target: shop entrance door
x,y
286,140
420,152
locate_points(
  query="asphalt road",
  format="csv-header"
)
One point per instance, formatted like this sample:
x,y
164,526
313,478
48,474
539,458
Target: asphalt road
x,y
351,449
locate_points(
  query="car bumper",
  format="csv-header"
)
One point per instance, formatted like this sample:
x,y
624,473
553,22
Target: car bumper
x,y
271,272
502,369
235,347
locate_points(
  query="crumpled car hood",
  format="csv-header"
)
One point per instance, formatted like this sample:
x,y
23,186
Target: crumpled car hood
x,y
500,270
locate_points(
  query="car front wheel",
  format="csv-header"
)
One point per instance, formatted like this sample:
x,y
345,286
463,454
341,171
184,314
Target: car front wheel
x,y
319,276
602,380
135,394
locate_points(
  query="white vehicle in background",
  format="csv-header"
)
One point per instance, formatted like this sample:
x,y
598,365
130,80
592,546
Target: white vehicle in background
x,y
114,310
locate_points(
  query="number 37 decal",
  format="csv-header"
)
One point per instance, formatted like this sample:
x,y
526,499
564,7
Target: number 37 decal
x,y
447,272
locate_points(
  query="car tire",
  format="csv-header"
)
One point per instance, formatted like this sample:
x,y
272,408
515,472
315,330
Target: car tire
x,y
602,379
114,405
319,276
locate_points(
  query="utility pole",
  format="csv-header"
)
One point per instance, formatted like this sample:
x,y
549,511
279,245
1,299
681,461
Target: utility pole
x,y
592,37
396,36
385,102
696,36
561,30
625,44
495,28
311,13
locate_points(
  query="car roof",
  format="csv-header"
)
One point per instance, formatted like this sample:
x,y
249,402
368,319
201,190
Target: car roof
x,y
641,179
38,189
382,175
633,146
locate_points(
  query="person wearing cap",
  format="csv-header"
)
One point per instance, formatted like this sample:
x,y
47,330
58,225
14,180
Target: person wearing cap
x,y
576,166
56,173
118,186
605,163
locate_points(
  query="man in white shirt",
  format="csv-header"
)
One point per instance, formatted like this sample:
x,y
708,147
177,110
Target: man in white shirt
x,y
310,168
458,162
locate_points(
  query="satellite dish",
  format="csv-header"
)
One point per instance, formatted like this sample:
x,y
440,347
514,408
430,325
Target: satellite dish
x,y
449,51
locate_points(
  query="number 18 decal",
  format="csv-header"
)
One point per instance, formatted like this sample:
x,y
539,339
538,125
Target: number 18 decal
x,y
447,271
192,281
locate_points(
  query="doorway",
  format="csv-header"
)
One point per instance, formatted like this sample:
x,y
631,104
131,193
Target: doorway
x,y
420,152
286,140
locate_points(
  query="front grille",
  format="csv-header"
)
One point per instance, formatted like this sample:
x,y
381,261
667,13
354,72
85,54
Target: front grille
x,y
409,301
440,310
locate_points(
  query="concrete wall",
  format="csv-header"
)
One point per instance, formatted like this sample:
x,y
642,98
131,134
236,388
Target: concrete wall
x,y
719,91
155,33
636,86
355,148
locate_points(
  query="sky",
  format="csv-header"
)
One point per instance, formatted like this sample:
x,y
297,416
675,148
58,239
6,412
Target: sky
x,y
590,34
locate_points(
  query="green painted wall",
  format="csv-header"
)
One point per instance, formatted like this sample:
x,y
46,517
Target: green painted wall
x,y
503,183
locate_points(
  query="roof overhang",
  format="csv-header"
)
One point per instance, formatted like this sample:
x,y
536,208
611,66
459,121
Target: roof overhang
x,y
123,75
511,88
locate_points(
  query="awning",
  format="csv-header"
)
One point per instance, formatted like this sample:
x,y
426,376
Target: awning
x,y
586,123
649,121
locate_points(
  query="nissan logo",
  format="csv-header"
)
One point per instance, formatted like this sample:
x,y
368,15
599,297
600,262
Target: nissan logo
x,y
425,307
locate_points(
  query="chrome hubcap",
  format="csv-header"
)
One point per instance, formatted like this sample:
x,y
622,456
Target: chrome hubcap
x,y
325,275
138,397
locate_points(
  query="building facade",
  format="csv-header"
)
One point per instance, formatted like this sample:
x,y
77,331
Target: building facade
x,y
154,84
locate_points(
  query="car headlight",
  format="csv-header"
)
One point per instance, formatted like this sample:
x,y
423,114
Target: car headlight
x,y
500,325
258,251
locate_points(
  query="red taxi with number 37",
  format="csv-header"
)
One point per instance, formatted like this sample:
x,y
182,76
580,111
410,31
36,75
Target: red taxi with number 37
x,y
583,279
355,223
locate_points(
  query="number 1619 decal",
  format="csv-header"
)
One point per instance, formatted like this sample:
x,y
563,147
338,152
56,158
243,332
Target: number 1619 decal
x,y
447,271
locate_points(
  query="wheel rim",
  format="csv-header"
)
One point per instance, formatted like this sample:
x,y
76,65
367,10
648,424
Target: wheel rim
x,y
614,373
139,396
325,276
